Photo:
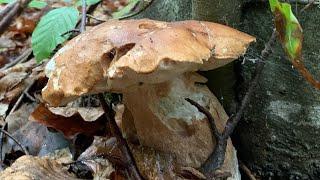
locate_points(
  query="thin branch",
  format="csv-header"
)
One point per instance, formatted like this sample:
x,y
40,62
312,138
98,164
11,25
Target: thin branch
x,y
212,124
15,140
247,171
308,5
7,8
95,18
216,159
71,31
19,59
123,145
83,17
15,10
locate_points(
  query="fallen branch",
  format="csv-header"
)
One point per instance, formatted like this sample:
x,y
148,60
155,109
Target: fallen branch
x,y
123,145
15,10
216,159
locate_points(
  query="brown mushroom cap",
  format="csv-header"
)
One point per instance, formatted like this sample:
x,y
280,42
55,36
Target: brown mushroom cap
x,y
116,55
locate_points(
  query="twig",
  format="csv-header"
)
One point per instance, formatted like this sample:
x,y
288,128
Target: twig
x,y
308,5
71,31
1,139
217,157
15,140
83,17
18,102
16,9
19,59
95,18
8,7
144,7
247,171
123,145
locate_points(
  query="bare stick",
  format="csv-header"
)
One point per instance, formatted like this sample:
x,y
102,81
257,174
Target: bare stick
x,y
216,159
8,7
16,9
247,171
95,18
15,140
124,147
83,17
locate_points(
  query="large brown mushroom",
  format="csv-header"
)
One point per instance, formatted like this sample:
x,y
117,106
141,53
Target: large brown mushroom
x,y
152,63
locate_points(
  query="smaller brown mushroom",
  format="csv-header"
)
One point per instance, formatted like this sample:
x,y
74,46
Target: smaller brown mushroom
x,y
152,63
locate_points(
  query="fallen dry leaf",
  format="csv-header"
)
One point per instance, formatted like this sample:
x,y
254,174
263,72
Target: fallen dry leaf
x,y
29,167
13,82
69,126
32,135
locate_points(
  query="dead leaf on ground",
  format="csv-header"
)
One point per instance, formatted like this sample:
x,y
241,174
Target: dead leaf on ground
x,y
29,167
69,126
87,113
32,135
13,82
105,147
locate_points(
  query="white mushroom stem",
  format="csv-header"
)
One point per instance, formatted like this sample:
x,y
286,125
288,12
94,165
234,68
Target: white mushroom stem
x,y
161,118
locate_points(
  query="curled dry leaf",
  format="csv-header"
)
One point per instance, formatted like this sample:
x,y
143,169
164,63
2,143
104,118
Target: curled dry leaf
x,y
32,135
88,108
69,126
104,147
126,53
29,167
13,81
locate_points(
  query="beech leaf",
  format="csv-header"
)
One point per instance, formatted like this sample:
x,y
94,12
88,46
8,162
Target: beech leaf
x,y
48,33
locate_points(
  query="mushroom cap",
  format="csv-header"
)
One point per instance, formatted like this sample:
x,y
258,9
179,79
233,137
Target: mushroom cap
x,y
117,55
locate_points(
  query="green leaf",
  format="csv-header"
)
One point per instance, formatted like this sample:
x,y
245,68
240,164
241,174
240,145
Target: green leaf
x,y
37,4
6,1
88,2
48,33
33,4
289,29
126,10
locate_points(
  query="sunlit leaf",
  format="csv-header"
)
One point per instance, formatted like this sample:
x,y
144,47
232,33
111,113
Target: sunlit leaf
x,y
288,27
37,4
88,2
48,33
126,10
33,4
6,1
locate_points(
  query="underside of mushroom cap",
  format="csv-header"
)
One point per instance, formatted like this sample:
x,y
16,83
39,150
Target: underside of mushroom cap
x,y
117,55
